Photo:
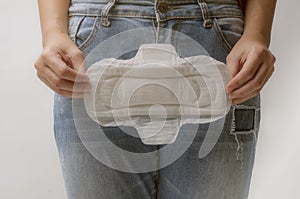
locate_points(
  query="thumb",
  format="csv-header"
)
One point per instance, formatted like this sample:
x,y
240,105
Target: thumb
x,y
77,60
234,64
77,63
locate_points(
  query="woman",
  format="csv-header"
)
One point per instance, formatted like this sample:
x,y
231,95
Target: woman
x,y
72,29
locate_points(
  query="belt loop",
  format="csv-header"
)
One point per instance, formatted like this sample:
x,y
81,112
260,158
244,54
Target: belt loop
x,y
104,14
205,14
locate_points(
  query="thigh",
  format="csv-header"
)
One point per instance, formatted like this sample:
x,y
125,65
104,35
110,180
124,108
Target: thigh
x,y
226,171
84,175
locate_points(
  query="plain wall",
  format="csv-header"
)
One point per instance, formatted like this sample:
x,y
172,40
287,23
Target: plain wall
x,y
29,166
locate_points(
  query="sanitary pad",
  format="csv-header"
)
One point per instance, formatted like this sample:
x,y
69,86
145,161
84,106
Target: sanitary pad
x,y
157,92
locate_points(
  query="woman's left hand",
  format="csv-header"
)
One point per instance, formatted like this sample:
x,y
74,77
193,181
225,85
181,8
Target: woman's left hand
x,y
251,65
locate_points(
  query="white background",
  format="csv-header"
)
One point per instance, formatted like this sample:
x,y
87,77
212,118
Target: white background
x,y
29,166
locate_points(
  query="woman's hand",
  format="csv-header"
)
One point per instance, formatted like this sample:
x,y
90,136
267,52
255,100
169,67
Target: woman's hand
x,y
60,64
251,65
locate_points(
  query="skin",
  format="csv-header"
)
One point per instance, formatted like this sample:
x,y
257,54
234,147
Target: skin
x,y
61,62
250,61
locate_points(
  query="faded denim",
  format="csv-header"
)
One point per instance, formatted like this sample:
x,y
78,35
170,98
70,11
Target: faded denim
x,y
225,172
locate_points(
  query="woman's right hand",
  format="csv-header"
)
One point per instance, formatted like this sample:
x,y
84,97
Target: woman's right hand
x,y
60,64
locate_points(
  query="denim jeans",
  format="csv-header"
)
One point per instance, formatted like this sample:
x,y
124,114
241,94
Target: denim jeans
x,y
225,172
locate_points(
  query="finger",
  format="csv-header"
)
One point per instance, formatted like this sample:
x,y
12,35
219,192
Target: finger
x,y
247,72
77,60
60,91
270,73
263,74
234,64
245,98
62,70
63,84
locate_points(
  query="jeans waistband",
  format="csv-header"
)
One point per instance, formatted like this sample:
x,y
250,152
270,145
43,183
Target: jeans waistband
x,y
151,2
166,9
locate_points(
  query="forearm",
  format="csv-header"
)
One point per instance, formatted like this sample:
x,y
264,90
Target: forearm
x,y
258,19
53,16
250,61
61,62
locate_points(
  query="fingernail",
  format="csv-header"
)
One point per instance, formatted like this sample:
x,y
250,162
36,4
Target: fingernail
x,y
233,102
87,87
229,89
83,77
87,91
232,95
86,78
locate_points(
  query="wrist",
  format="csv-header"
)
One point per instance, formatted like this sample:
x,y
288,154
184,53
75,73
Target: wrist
x,y
51,32
258,37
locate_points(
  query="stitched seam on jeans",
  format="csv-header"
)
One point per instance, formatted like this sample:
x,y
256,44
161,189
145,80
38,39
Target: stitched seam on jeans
x,y
155,29
113,15
75,26
153,17
175,17
91,36
168,1
157,176
221,36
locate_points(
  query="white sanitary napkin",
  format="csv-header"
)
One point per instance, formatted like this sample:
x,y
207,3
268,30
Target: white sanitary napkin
x,y
157,92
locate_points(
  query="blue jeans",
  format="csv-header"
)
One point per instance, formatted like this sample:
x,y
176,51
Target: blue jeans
x,y
225,172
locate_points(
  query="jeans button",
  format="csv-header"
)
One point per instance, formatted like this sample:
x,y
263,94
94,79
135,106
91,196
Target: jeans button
x,y
163,7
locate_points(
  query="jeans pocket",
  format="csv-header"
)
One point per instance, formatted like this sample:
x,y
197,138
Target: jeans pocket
x,y
83,29
229,30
